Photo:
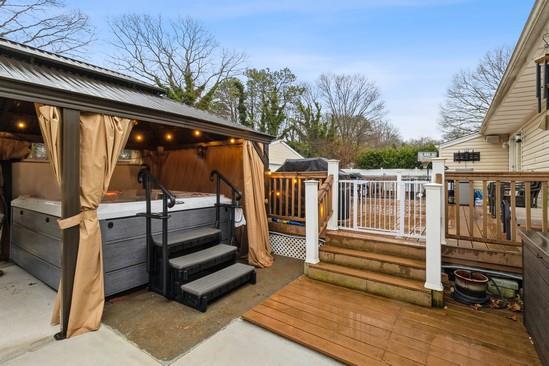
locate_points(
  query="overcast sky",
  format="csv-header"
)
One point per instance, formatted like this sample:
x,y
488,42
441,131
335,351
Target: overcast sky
x,y
410,48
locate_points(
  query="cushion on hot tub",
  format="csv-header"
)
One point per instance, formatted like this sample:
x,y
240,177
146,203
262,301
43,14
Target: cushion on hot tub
x,y
179,237
203,256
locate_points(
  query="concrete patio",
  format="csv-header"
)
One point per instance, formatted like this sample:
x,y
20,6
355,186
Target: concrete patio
x,y
26,337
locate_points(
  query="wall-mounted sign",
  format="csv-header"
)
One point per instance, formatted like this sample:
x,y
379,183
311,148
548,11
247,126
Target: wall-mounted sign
x,y
426,156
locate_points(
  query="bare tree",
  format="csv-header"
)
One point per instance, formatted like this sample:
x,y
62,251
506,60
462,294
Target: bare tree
x,y
45,24
354,104
470,94
178,55
383,133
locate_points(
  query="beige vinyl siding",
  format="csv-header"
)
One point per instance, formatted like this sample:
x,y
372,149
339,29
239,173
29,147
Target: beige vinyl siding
x,y
279,152
535,147
492,156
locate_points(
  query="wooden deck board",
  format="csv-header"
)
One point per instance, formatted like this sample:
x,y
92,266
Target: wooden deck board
x,y
362,329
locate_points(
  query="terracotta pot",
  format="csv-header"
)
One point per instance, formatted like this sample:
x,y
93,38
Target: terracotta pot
x,y
471,283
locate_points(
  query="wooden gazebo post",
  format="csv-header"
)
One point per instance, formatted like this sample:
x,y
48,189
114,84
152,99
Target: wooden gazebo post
x,y
70,206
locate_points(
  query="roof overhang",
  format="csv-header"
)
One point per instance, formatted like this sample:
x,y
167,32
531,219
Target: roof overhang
x,y
39,94
35,76
515,102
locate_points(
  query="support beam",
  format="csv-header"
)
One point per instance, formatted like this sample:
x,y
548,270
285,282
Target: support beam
x,y
7,195
311,222
439,168
433,228
70,206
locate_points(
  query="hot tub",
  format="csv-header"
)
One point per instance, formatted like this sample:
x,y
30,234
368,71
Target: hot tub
x,y
36,238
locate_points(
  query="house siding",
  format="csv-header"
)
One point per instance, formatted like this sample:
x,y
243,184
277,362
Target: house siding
x,y
492,156
535,147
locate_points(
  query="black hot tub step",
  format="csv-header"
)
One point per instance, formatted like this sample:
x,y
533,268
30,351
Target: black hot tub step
x,y
191,237
190,264
199,293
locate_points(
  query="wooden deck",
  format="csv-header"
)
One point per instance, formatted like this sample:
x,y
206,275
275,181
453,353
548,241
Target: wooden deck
x,y
483,254
361,329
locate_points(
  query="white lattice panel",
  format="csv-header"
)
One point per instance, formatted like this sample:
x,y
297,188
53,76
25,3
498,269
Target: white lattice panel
x,y
288,245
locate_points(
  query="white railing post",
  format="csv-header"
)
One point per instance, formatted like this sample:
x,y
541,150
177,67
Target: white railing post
x,y
311,221
355,205
433,227
401,197
439,168
333,169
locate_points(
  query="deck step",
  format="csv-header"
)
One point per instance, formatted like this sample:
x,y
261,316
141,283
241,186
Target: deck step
x,y
404,289
388,264
197,262
199,293
376,243
192,237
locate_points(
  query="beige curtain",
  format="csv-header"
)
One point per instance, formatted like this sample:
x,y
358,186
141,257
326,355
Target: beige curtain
x,y
254,206
13,149
101,140
49,119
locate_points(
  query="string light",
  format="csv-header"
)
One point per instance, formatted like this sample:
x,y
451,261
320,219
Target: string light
x,y
278,194
197,133
139,137
168,136
21,125
232,140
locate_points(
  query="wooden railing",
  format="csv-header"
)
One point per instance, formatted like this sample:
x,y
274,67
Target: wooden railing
x,y
325,203
286,194
490,207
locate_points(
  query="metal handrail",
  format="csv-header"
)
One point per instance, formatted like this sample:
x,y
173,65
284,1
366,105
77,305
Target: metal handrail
x,y
168,201
236,196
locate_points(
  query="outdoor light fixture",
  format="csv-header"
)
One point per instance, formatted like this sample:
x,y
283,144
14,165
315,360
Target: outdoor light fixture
x,y
295,180
21,125
139,137
168,136
269,172
232,140
201,151
197,133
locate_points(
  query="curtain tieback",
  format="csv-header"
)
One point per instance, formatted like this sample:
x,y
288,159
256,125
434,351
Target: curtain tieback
x,y
77,219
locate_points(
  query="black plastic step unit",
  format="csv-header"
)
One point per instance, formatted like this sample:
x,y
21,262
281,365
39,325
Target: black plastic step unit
x,y
199,293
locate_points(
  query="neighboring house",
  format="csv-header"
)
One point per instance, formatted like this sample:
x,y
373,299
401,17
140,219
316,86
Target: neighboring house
x,y
514,114
279,151
476,152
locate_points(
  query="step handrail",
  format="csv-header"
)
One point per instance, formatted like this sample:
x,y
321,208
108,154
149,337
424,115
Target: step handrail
x,y
236,196
168,201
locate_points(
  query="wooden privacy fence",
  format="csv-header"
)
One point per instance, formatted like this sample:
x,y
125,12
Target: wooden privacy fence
x,y
286,194
490,207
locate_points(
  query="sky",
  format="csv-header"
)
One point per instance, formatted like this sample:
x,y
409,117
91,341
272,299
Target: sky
x,y
409,48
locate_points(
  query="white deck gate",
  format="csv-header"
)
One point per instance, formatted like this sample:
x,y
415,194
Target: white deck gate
x,y
390,207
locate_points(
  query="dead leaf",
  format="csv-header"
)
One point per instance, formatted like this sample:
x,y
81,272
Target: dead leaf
x,y
476,307
516,307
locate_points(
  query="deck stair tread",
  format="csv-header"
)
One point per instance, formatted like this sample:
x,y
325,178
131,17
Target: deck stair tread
x,y
407,283
376,238
217,279
181,237
203,256
402,261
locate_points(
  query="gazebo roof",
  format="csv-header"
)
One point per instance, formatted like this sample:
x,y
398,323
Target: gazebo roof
x,y
34,75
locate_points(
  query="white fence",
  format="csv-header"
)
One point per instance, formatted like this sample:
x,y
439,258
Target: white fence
x,y
393,207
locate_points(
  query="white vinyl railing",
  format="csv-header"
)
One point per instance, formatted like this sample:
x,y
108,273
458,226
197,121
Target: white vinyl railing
x,y
393,207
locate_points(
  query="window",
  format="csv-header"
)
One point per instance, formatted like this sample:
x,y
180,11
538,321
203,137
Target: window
x,y
39,152
467,156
